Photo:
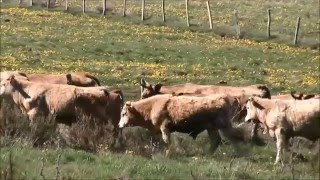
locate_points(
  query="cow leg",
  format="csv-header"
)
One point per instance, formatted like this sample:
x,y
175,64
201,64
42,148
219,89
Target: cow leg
x,y
32,115
280,144
166,135
215,139
254,130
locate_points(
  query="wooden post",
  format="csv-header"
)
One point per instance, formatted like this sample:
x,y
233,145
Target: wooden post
x,y
269,23
237,23
187,13
104,11
20,2
48,4
295,41
67,7
163,12
209,14
142,9
31,2
124,7
83,6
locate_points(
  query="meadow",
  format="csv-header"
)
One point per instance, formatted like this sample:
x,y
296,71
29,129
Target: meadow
x,y
120,50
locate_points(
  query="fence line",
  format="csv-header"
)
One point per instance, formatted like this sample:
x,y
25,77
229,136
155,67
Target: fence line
x,y
235,13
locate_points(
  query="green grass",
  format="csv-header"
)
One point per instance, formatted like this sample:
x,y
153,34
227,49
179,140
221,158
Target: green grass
x,y
83,165
120,50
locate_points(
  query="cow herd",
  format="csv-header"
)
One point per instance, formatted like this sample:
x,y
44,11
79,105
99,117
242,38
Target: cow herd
x,y
186,108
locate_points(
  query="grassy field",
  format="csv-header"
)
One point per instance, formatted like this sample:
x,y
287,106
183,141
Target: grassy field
x,y
120,50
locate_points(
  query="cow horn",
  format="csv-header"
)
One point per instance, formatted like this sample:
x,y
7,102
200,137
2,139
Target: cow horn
x,y
128,103
250,98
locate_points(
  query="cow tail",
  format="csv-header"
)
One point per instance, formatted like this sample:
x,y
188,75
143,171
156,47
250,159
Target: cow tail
x,y
94,78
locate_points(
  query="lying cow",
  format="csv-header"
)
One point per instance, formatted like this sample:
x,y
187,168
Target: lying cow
x,y
76,79
185,114
259,90
286,119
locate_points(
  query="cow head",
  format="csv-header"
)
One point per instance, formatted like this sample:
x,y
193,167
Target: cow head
x,y
252,107
8,85
127,115
148,90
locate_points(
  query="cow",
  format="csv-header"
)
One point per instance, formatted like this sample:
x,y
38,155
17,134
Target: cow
x,y
286,119
186,114
76,79
302,96
259,90
148,90
63,101
37,98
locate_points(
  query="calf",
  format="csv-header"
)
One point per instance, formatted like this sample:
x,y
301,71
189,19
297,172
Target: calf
x,y
186,114
286,119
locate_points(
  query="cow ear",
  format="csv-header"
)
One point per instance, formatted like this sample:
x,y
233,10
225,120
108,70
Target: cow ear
x,y
11,78
157,87
69,79
128,103
143,83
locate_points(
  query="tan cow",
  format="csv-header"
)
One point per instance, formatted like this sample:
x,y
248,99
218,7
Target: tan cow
x,y
242,93
77,79
305,96
286,119
186,114
148,90
62,101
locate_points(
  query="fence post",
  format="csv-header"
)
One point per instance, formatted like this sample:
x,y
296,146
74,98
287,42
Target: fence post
x,y
83,6
187,13
269,23
66,8
104,11
163,12
209,14
124,7
237,23
31,2
295,41
48,4
142,9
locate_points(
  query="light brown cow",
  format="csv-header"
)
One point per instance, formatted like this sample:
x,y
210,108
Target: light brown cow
x,y
186,114
292,96
39,98
77,79
242,93
148,90
63,101
286,119
302,96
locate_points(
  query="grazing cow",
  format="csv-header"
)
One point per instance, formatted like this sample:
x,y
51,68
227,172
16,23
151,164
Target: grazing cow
x,y
286,119
259,90
185,114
